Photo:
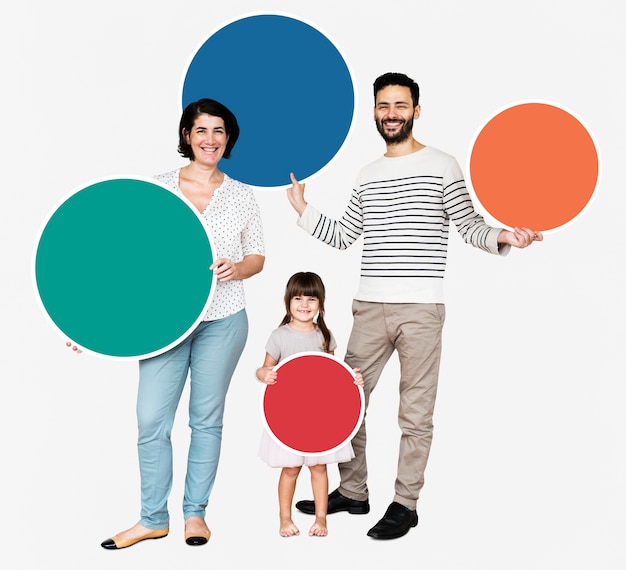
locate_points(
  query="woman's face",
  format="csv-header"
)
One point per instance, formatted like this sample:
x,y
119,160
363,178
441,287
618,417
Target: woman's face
x,y
207,139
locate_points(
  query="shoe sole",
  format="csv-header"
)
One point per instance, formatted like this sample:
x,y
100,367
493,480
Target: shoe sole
x,y
350,510
376,536
354,510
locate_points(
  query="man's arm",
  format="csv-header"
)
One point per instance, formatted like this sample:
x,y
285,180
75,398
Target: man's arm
x,y
340,234
471,225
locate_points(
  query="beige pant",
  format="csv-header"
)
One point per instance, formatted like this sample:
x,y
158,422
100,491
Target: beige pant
x,y
414,330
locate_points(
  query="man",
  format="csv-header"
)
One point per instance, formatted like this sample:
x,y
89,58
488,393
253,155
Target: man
x,y
402,204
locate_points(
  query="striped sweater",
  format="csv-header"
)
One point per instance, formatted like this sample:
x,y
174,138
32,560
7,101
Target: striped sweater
x,y
403,207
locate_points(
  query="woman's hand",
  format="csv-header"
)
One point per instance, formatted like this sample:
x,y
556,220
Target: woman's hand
x,y
224,269
359,379
227,270
73,347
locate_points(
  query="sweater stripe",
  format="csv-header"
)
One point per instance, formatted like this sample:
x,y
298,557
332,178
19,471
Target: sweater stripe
x,y
403,208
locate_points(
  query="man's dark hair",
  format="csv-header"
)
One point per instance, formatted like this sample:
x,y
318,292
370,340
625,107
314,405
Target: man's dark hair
x,y
209,107
398,79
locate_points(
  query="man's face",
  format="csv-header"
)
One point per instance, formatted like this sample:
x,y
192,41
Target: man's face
x,y
394,113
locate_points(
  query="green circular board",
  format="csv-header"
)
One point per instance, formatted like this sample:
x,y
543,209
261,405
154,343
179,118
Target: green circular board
x,y
121,268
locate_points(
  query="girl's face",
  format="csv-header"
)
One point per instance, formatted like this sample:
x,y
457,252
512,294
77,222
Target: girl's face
x,y
207,139
304,308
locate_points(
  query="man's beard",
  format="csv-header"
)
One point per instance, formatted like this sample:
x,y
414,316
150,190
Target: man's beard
x,y
403,133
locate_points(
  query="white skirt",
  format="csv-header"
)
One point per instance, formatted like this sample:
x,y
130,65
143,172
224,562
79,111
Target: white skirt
x,y
277,456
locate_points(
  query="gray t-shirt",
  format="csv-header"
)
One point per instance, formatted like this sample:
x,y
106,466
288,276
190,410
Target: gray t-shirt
x,y
285,341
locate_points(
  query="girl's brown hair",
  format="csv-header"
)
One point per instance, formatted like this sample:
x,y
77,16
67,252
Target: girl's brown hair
x,y
307,284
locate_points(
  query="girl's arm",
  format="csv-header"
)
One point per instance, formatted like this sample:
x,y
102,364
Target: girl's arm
x,y
265,374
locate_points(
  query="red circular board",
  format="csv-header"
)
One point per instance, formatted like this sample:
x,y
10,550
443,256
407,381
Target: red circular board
x,y
315,407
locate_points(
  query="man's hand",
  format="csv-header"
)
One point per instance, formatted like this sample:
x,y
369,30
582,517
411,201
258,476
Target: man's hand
x,y
295,193
520,237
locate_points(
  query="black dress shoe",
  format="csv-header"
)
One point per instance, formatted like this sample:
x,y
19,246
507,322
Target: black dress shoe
x,y
395,523
337,502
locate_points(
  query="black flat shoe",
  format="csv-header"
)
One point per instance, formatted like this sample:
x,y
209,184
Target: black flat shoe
x,y
336,503
396,522
197,538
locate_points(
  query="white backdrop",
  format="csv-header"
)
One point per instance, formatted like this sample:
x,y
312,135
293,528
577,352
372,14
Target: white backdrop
x,y
528,463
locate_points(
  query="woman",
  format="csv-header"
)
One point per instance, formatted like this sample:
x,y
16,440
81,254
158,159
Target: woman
x,y
208,132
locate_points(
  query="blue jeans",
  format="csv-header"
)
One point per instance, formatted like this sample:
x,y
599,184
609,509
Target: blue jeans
x,y
210,355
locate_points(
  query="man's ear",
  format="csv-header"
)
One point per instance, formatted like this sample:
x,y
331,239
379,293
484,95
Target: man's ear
x,y
416,114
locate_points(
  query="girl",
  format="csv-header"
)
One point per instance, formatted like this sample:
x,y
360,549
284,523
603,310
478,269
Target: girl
x,y
300,331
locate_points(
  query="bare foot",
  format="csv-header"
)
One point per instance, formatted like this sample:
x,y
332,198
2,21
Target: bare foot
x,y
319,527
287,528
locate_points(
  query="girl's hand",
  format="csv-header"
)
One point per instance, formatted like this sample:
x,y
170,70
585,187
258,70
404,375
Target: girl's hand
x,y
359,379
267,375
